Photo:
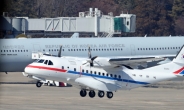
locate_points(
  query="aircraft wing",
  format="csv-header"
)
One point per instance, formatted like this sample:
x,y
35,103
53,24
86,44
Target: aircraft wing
x,y
130,61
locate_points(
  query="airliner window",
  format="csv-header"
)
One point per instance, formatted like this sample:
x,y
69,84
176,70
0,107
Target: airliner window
x,y
119,77
12,50
50,63
1,50
24,51
165,48
102,49
99,73
76,49
95,72
110,49
107,74
113,49
41,61
173,47
140,48
103,74
18,50
71,49
15,50
162,48
54,49
82,49
115,76
62,67
4,51
49,50
68,49
176,47
93,49
21,50
107,49
121,49
111,75
86,71
96,49
82,70
45,61
7,50
146,48
74,69
27,50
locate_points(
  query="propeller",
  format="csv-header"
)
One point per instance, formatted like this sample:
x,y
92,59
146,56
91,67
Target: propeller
x,y
91,59
59,53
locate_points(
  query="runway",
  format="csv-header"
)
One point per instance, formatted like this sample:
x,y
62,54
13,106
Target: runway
x,y
29,97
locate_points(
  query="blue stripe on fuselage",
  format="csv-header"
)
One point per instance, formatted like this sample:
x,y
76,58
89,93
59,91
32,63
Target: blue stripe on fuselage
x,y
106,77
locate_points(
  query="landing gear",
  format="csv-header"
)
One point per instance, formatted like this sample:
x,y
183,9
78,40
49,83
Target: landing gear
x,y
91,93
101,94
38,84
83,93
109,95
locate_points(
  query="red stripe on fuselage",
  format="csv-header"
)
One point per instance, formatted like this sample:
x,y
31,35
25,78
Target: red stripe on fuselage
x,y
178,71
46,68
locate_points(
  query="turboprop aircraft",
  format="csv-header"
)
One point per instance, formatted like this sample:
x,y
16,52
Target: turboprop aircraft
x,y
86,76
16,54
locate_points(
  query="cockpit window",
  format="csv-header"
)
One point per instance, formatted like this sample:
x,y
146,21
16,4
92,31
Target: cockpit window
x,y
41,61
50,63
46,62
36,60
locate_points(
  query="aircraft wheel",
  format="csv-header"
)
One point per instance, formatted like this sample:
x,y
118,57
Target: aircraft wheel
x,y
91,93
38,84
109,95
83,93
101,94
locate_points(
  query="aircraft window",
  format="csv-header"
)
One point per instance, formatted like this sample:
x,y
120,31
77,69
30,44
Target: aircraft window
x,y
63,49
4,51
151,48
82,49
103,74
99,49
45,61
154,48
50,63
102,49
162,48
146,48
91,72
68,49
111,75
76,49
79,49
99,73
26,50
165,48
94,72
86,71
49,50
107,74
140,75
96,49
147,76
54,49
115,76
1,51
12,50
43,49
176,47
157,48
62,67
107,49
140,48
154,77
113,49
18,50
21,50
168,47
68,67
85,49
40,61
127,22
179,47
93,49
82,70
110,49
119,77
74,69
116,49
173,47
71,49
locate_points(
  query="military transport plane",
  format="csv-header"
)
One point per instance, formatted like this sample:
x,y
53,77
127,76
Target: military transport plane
x,y
83,74
16,54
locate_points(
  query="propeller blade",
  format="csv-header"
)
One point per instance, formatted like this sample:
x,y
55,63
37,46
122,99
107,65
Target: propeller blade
x,y
59,53
89,52
93,58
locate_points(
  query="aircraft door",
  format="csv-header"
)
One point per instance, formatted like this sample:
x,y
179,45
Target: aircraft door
x,y
132,47
36,48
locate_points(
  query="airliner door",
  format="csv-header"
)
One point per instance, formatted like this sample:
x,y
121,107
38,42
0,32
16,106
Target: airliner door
x,y
132,47
36,48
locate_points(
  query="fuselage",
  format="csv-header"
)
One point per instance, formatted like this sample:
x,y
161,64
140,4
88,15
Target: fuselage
x,y
64,70
16,54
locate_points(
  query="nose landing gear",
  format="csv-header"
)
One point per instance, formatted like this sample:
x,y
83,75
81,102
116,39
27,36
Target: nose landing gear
x,y
38,84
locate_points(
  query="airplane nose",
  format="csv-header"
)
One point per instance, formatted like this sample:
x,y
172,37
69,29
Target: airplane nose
x,y
27,70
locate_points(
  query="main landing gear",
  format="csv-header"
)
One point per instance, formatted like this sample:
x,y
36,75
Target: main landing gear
x,y
38,84
92,93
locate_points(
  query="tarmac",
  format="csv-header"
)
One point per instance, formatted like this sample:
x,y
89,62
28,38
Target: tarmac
x,y
28,97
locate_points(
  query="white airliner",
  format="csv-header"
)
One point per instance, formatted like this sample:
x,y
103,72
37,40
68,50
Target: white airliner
x,y
83,74
16,54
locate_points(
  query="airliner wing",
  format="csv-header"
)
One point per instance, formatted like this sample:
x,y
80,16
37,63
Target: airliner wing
x,y
131,61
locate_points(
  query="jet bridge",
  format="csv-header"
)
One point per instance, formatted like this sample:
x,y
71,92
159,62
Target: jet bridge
x,y
89,23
